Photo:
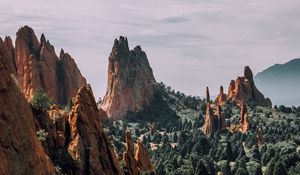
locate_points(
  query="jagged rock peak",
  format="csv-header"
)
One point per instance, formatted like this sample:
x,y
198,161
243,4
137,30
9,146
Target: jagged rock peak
x,y
248,73
207,95
43,38
88,134
131,83
39,68
244,89
120,47
142,157
128,156
61,53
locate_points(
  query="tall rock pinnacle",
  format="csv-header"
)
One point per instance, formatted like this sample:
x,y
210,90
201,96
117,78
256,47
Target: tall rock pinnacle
x,y
89,146
131,83
39,68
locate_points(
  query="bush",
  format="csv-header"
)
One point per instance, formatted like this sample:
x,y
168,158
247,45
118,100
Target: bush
x,y
42,135
41,101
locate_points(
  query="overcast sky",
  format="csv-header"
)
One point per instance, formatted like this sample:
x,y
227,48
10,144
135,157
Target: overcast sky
x,y
190,44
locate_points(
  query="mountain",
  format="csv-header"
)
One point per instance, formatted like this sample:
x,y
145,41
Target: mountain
x,y
281,82
39,68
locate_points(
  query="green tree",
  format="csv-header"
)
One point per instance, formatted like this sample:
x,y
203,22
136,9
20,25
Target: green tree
x,y
41,101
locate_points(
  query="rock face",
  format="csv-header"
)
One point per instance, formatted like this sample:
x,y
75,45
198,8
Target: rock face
x,y
222,98
131,83
244,89
39,68
89,145
20,150
128,156
142,157
244,125
213,121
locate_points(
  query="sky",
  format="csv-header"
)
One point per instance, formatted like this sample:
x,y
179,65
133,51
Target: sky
x,y
190,44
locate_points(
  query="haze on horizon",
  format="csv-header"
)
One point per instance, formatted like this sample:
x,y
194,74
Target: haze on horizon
x,y
190,44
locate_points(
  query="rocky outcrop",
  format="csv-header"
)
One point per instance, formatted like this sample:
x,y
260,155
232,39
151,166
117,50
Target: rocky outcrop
x,y
39,68
244,89
244,125
222,98
89,146
214,121
7,52
128,156
131,83
20,150
142,157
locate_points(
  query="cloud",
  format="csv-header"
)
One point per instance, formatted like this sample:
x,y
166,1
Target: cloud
x,y
201,42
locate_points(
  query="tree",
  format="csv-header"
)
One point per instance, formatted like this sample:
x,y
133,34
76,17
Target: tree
x,y
200,168
279,169
41,101
241,171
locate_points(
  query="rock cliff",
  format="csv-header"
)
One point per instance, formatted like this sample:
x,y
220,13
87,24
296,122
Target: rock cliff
x,y
20,150
131,83
244,89
39,68
89,146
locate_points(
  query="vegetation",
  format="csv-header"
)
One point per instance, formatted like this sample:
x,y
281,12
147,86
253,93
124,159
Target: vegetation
x,y
180,146
42,135
41,101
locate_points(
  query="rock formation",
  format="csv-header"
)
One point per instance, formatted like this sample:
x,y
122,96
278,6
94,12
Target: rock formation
x,y
128,156
7,53
207,95
213,121
244,89
221,99
244,126
39,68
131,83
89,145
209,121
142,157
20,150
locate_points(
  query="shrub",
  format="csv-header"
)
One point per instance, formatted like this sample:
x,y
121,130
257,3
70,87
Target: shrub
x,y
42,135
41,101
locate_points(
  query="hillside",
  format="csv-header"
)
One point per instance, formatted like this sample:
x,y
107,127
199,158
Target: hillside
x,y
281,82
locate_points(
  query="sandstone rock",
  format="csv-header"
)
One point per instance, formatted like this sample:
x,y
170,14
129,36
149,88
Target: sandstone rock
x,y
128,156
244,89
89,145
39,68
207,95
142,157
209,126
213,121
222,98
7,53
220,119
244,118
20,150
131,83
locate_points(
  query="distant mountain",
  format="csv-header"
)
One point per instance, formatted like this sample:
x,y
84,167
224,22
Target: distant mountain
x,y
281,82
